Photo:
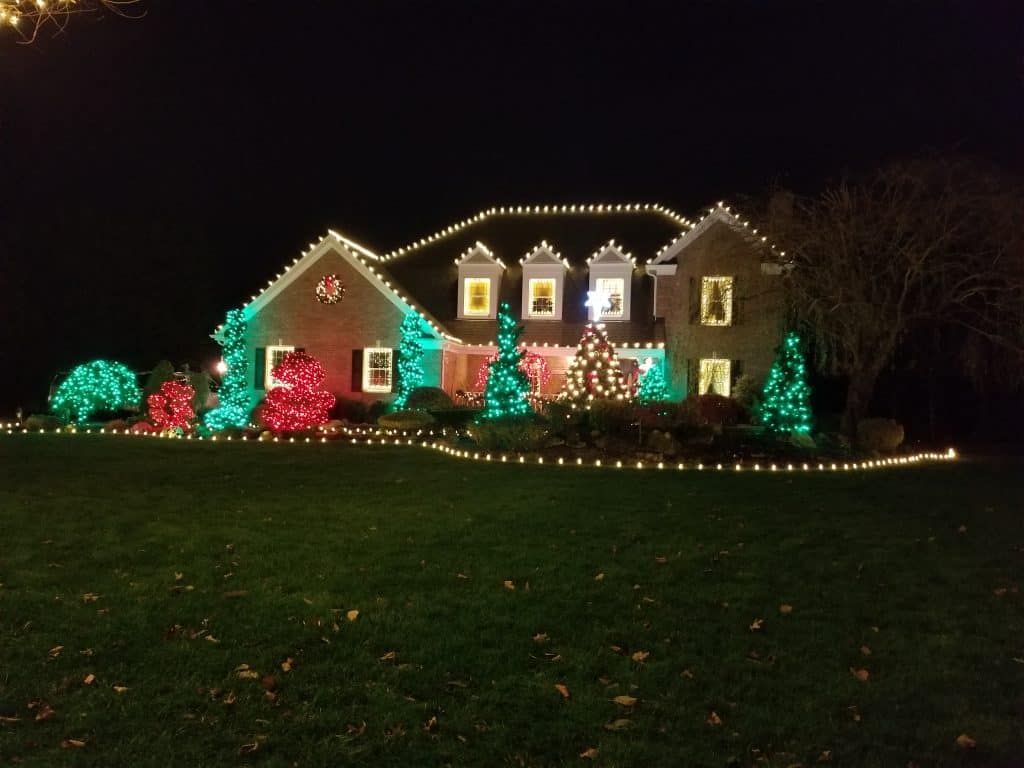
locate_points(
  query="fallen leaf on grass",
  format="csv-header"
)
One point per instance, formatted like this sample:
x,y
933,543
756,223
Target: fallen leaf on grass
x,y
431,724
590,753
825,756
962,529
90,597
865,651
562,689
461,575
785,609
356,730
622,724
509,584
211,639
389,656
54,652
999,591
625,701
713,719
286,665
756,624
236,593
89,679
687,673
248,674
661,559
120,688
9,720
861,674
178,575
640,656
540,637
46,712
71,743
352,615
965,742
248,749
599,577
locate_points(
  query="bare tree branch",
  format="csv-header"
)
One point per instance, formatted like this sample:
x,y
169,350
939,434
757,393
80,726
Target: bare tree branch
x,y
29,17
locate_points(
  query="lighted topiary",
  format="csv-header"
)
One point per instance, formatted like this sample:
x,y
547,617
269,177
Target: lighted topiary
x,y
234,405
785,400
594,372
507,385
652,386
96,386
410,359
171,407
297,402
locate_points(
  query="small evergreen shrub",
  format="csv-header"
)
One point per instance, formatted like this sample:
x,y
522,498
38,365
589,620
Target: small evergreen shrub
x,y
456,417
428,399
514,433
351,410
407,420
718,411
612,417
39,421
747,394
883,435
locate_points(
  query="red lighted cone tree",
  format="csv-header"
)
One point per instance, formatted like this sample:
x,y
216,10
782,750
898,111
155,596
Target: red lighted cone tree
x,y
594,372
297,401
171,406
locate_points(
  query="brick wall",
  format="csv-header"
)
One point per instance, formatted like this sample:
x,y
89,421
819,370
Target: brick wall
x,y
755,332
363,318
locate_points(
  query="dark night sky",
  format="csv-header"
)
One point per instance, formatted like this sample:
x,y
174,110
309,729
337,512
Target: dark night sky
x,y
154,173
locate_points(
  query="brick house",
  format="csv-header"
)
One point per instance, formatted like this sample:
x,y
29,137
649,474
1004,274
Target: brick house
x,y
701,297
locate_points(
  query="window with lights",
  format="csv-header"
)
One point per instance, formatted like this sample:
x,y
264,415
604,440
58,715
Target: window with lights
x,y
542,297
377,366
274,357
716,301
477,294
613,287
715,377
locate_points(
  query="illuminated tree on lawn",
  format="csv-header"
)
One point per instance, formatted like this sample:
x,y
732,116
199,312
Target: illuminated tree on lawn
x,y
410,358
96,386
535,366
594,372
507,385
234,407
652,386
171,406
785,401
297,402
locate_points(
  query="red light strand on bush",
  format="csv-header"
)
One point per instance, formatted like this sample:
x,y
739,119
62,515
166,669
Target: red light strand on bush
x,y
298,401
171,407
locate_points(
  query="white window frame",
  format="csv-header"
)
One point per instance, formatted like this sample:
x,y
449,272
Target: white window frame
x,y
467,296
705,372
554,312
367,354
707,283
609,314
269,382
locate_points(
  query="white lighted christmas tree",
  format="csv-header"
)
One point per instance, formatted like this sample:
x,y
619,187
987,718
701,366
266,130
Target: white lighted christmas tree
x,y
594,372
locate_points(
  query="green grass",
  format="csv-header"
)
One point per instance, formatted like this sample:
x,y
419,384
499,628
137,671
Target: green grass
x,y
310,532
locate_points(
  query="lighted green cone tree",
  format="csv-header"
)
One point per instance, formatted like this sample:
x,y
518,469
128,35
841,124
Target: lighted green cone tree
x,y
652,386
410,358
97,386
507,385
785,400
234,407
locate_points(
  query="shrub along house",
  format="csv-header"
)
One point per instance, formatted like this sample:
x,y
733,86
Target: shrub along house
x,y
701,297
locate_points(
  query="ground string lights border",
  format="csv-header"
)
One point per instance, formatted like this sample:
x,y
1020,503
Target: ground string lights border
x,y
391,438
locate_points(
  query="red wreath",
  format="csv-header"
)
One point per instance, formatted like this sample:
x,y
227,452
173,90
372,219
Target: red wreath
x,y
172,406
533,365
330,289
297,402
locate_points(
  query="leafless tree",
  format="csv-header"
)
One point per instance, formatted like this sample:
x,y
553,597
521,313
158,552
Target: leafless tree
x,y
930,242
29,17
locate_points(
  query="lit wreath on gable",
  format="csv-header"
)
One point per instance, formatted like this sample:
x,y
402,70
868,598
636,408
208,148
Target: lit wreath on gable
x,y
330,289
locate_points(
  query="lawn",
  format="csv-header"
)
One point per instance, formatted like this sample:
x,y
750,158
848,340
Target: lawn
x,y
741,612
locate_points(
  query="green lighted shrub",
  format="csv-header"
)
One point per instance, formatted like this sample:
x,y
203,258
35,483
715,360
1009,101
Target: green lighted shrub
x,y
511,433
883,435
97,386
428,399
407,420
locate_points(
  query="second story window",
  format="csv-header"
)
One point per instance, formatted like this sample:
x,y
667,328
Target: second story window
x,y
716,301
613,288
542,297
477,295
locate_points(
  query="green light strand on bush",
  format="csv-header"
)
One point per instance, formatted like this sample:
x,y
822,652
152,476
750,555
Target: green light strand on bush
x,y
785,400
97,386
652,388
507,385
234,407
410,358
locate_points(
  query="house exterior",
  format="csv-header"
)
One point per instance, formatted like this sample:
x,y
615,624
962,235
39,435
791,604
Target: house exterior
x,y
702,297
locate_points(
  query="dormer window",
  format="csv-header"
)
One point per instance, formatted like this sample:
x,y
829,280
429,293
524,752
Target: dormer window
x,y
543,283
611,277
479,283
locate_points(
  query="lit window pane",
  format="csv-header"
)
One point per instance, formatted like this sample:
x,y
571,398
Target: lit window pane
x,y
714,377
614,287
477,296
716,301
275,355
542,297
377,369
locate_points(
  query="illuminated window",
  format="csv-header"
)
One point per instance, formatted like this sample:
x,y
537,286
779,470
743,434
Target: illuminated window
x,y
377,369
274,357
542,297
716,301
613,287
477,296
714,377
